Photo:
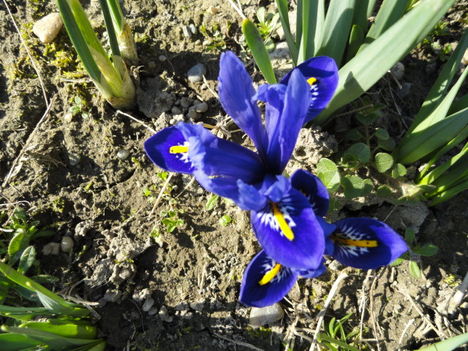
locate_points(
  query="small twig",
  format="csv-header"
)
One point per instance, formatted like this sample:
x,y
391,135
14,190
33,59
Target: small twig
x,y
23,150
439,332
161,193
136,120
322,313
411,321
33,62
238,8
205,81
240,343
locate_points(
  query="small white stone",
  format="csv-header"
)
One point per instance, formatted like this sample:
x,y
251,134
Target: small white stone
x,y
51,249
66,244
149,302
398,70
192,28
47,28
73,159
195,74
123,154
186,31
266,315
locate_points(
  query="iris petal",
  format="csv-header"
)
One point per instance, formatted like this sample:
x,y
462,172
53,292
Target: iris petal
x,y
366,243
236,93
289,232
168,150
312,187
325,72
283,130
221,158
281,280
312,273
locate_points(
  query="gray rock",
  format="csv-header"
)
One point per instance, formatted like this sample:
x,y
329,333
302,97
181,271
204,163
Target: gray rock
x,y
66,244
398,70
195,74
164,315
47,28
202,107
123,154
193,115
51,249
149,302
266,315
73,159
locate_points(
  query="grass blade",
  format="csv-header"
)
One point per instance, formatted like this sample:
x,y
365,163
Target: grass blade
x,y
446,195
336,29
283,10
440,87
366,68
259,52
358,29
390,11
310,24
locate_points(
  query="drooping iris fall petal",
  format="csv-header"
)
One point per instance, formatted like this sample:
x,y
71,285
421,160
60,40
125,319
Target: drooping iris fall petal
x,y
313,188
365,243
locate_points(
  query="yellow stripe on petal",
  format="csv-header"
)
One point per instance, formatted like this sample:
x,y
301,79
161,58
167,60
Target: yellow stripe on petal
x,y
357,243
312,80
270,274
284,226
178,149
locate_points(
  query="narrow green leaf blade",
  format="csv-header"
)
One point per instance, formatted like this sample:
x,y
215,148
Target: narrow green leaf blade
x,y
366,68
259,52
358,29
17,342
283,10
336,29
448,344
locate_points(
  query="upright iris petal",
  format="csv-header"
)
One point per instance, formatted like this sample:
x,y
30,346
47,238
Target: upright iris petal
x,y
312,187
236,93
289,232
365,243
283,127
169,150
322,75
265,281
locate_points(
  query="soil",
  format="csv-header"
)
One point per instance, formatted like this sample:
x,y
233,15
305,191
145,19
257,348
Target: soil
x,y
150,248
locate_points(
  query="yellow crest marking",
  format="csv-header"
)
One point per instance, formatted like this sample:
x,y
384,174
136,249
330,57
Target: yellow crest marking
x,y
178,149
312,80
287,231
357,243
270,274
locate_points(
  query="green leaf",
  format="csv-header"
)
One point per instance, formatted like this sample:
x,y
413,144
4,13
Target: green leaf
x,y
19,241
27,259
358,29
17,342
24,313
355,186
390,11
328,173
336,29
414,270
310,22
259,52
426,250
358,152
398,170
225,220
440,87
448,344
354,135
212,202
384,191
382,134
397,262
387,145
410,235
372,63
367,118
282,6
383,162
65,329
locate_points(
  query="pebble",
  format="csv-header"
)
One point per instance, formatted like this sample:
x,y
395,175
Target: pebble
x,y
195,74
66,244
164,315
152,311
149,302
192,28
47,28
266,315
162,58
51,249
281,51
186,31
82,228
202,107
197,306
123,154
73,159
192,115
176,111
398,70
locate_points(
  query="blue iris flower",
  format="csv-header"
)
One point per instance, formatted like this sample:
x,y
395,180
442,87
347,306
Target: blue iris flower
x,y
364,243
283,220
